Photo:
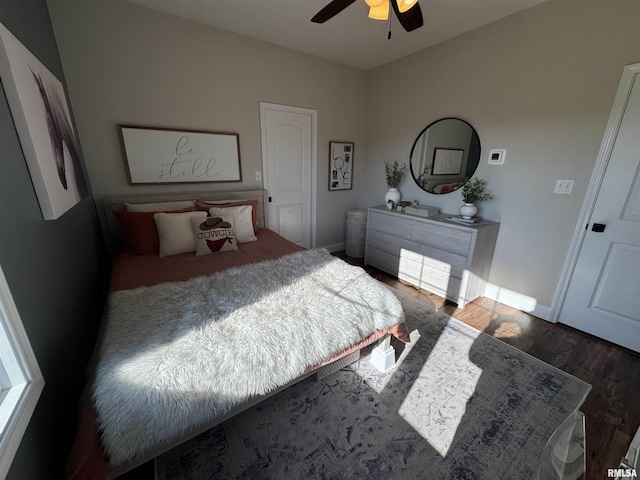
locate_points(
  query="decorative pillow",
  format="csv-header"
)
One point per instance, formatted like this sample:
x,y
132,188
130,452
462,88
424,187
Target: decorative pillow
x,y
138,231
242,220
214,234
160,206
207,204
175,233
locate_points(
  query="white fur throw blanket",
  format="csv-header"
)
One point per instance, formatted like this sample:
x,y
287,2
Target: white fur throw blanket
x,y
177,355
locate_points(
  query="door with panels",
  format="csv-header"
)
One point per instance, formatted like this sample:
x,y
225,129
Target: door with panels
x,y
288,159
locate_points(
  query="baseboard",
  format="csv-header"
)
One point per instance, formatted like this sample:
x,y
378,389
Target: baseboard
x,y
517,300
336,247
543,312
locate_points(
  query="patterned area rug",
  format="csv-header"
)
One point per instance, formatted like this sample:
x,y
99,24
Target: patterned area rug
x,y
458,405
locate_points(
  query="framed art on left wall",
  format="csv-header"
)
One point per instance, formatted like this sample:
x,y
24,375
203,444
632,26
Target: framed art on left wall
x,y
42,119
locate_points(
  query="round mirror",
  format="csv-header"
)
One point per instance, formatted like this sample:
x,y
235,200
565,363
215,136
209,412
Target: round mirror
x,y
445,155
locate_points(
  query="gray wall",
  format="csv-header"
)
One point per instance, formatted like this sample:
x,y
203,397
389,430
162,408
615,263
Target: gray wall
x,y
132,65
54,270
541,84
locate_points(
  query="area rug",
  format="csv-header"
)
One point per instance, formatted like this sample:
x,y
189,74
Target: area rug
x,y
459,404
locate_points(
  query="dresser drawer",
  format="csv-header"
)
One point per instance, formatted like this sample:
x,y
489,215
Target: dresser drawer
x,y
390,243
440,284
427,273
410,270
442,260
382,260
435,280
442,238
397,226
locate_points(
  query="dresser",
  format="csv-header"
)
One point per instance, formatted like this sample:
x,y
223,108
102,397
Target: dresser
x,y
433,253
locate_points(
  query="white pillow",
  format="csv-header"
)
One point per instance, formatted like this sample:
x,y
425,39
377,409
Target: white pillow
x,y
242,218
214,234
175,232
159,206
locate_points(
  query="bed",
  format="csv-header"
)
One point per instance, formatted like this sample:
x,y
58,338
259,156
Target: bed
x,y
209,313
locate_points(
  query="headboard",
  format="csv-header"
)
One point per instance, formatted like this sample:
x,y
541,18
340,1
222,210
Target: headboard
x,y
117,203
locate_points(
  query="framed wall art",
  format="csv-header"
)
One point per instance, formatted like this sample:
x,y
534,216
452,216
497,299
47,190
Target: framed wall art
x,y
447,161
43,121
340,165
168,155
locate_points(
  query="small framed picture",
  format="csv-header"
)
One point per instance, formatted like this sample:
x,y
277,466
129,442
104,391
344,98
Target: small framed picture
x,y
340,165
447,161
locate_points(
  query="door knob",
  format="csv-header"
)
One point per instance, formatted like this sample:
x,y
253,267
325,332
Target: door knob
x,y
598,227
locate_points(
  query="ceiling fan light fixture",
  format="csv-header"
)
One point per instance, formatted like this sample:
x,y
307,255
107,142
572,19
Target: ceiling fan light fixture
x,y
380,12
408,12
404,5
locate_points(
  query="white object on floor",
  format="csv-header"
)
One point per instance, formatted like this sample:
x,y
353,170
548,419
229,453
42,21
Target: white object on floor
x,y
383,357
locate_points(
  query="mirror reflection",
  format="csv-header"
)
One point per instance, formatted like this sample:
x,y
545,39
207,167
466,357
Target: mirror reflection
x,y
445,155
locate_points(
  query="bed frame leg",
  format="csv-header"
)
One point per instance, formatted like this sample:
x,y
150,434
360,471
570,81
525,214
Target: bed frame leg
x,y
383,357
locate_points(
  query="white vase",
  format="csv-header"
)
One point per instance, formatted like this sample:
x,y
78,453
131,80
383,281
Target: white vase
x,y
392,195
468,210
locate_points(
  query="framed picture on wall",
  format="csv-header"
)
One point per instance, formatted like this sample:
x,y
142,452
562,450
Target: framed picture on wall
x,y
340,165
169,155
447,161
43,121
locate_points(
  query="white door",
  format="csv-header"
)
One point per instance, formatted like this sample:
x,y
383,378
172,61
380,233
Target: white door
x,y
603,295
289,163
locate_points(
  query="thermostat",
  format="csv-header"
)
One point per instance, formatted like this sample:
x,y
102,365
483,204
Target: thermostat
x,y
496,157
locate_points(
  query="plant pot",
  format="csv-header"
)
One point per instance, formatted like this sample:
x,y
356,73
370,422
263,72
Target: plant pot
x,y
468,210
392,195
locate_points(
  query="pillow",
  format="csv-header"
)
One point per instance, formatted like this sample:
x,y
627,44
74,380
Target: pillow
x,y
242,220
175,233
207,204
159,206
138,231
214,234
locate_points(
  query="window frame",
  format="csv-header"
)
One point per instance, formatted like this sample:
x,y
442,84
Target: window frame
x,y
22,380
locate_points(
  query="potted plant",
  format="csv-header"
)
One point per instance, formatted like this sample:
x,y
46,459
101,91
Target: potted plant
x,y
422,178
394,174
473,192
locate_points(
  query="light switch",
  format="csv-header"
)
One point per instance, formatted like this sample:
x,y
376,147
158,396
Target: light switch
x,y
564,187
258,176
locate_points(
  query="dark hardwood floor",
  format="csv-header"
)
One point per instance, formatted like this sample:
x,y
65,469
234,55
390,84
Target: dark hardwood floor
x,y
612,408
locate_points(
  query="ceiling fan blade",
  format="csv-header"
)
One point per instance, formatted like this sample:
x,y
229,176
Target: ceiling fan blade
x,y
411,19
331,10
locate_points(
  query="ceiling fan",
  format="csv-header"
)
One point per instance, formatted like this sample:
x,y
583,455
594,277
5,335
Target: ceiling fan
x,y
407,11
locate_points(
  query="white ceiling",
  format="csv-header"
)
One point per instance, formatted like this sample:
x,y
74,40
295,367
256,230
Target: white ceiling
x,y
350,37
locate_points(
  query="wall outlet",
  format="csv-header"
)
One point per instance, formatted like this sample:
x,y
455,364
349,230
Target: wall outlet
x,y
564,187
